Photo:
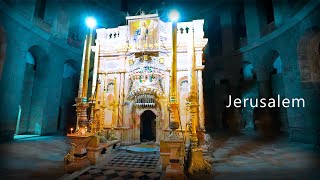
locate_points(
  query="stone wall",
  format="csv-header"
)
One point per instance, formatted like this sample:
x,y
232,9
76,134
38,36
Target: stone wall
x,y
50,53
296,41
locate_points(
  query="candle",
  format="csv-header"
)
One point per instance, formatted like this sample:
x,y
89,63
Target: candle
x,y
71,130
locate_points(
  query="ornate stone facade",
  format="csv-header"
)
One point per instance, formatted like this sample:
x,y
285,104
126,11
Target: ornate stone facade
x,y
138,56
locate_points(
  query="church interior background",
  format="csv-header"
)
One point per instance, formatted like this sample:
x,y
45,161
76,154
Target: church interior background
x,y
140,95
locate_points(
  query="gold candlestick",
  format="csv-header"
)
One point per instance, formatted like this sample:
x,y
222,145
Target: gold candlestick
x,y
173,103
81,102
197,164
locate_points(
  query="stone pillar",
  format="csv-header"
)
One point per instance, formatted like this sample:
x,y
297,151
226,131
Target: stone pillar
x,y
252,20
126,108
200,99
263,83
248,116
158,130
280,11
52,109
121,98
10,88
263,117
227,32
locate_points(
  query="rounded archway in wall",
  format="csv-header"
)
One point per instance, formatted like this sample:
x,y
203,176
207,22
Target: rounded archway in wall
x,y
147,126
27,93
70,82
248,72
183,93
29,121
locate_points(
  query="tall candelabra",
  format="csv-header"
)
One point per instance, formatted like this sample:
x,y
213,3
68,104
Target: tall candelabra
x,y
197,164
77,158
173,103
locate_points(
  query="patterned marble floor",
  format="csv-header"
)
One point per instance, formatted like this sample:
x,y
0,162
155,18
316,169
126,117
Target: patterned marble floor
x,y
125,165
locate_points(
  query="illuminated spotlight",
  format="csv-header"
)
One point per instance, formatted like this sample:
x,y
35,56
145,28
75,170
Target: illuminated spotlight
x,y
91,22
174,15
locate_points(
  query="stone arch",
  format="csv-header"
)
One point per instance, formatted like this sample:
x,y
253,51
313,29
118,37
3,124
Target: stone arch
x,y
182,80
308,55
39,54
277,65
70,83
135,121
110,86
269,58
149,109
70,66
34,91
248,72
3,48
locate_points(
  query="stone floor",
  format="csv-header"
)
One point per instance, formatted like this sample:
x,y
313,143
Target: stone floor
x,y
243,157
249,157
33,158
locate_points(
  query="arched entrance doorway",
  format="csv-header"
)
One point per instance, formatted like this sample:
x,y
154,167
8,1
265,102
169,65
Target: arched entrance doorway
x,y
70,83
147,126
34,92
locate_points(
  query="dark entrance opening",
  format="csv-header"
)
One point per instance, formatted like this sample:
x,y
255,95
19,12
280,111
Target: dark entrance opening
x,y
147,126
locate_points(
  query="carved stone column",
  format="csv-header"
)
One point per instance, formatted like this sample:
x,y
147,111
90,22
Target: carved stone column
x,y
201,102
158,129
121,99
